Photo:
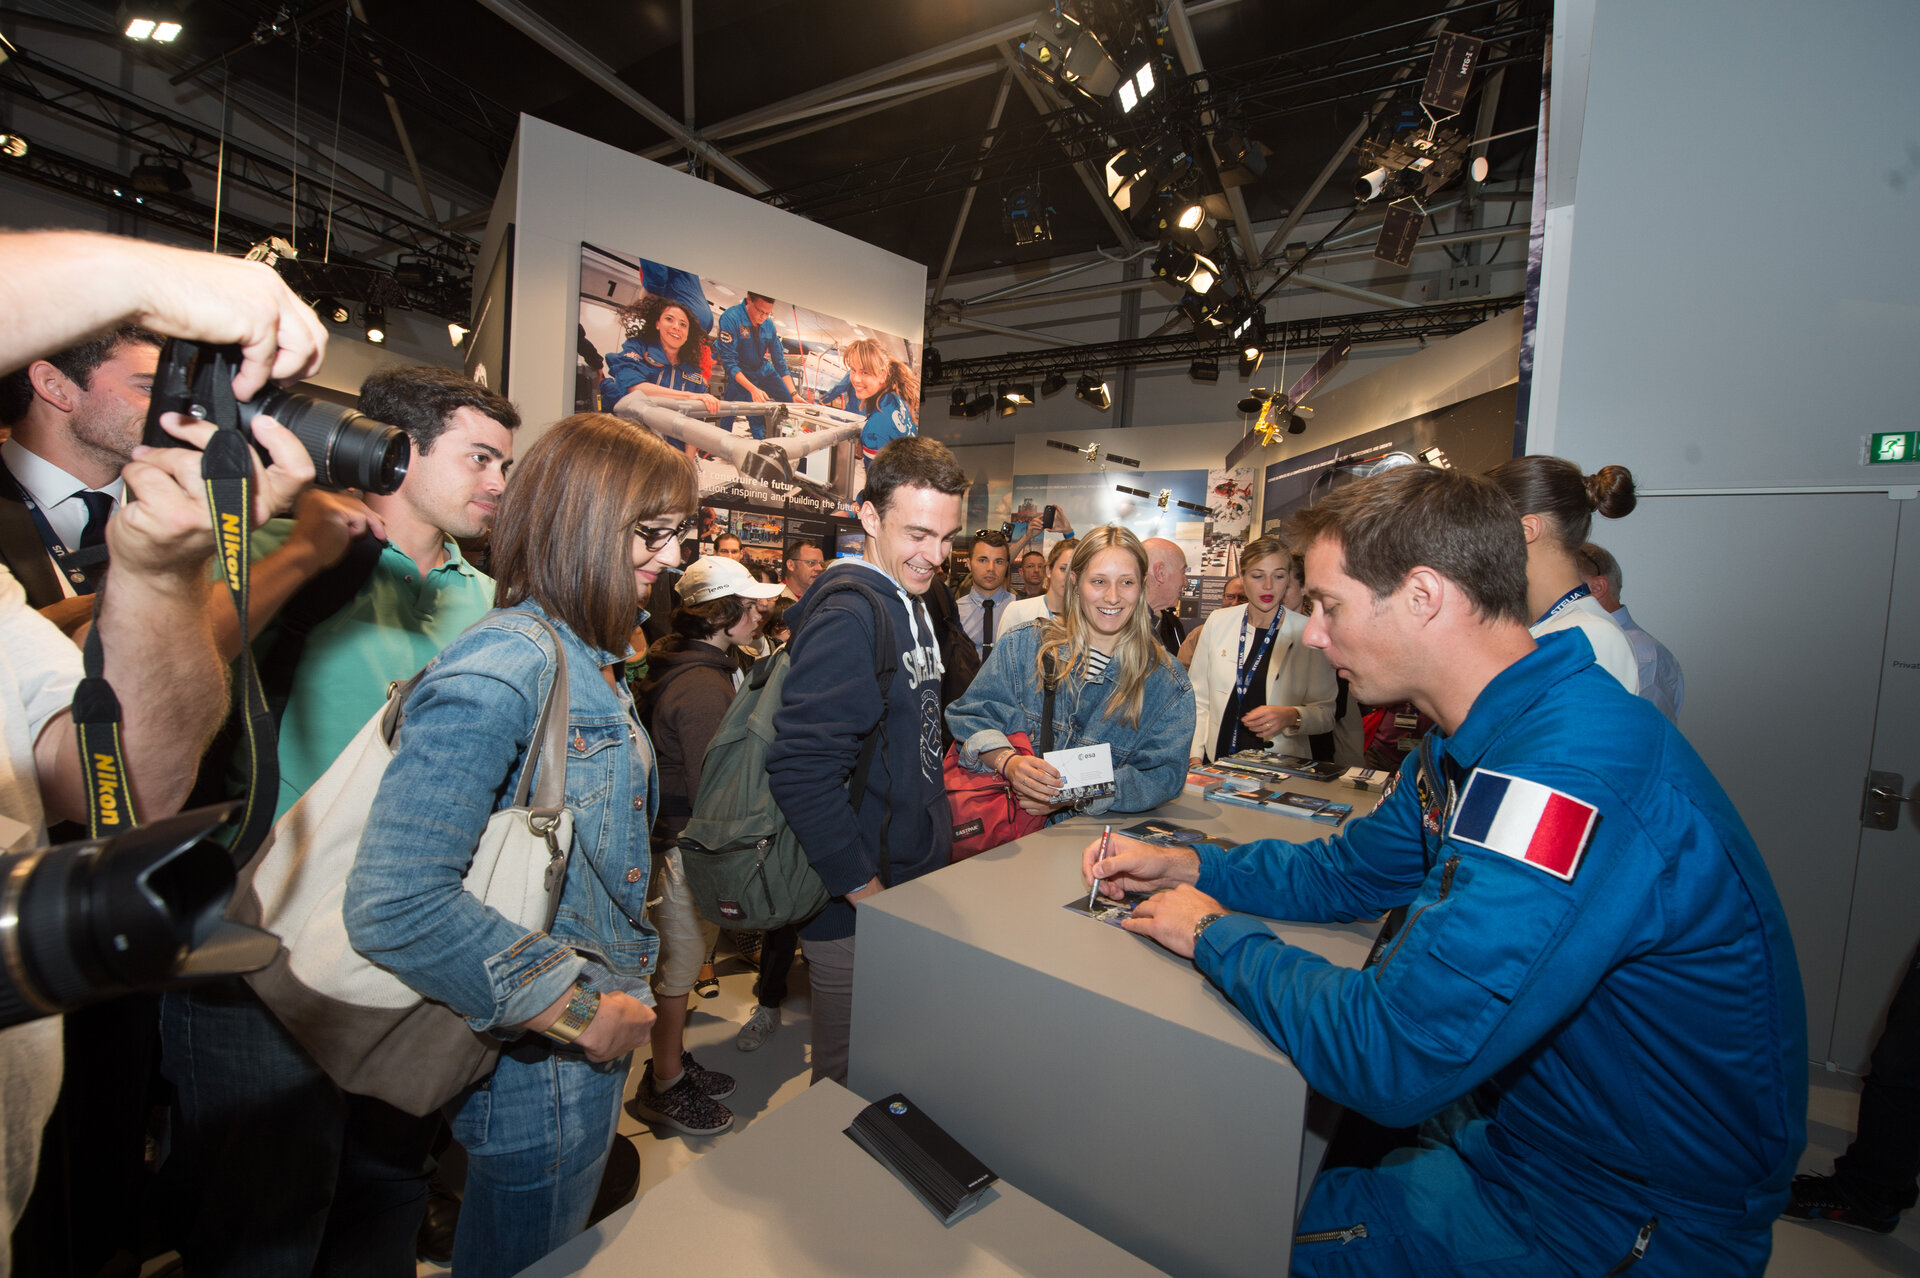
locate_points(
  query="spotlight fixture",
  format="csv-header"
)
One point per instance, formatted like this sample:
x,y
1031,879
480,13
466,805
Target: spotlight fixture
x,y
980,404
1204,275
1205,368
13,146
414,270
1017,394
1053,383
1089,391
332,311
154,176
957,403
1250,362
374,316
1065,54
155,20
1191,217
1174,263
457,333
1136,88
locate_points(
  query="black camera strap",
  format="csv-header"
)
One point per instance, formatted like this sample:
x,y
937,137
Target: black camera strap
x,y
226,469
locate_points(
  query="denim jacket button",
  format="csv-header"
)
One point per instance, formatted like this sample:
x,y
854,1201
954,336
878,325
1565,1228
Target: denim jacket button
x,y
579,742
633,875
640,803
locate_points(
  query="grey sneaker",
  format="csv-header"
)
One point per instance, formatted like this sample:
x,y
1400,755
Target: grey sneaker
x,y
758,1029
682,1107
711,1081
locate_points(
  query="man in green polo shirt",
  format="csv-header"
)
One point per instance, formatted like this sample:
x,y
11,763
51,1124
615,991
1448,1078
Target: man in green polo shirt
x,y
286,1168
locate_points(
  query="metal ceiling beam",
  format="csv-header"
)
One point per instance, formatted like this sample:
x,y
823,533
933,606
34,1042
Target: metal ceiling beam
x,y
1478,235
1353,291
359,14
1189,50
885,94
1443,319
773,113
821,124
686,62
1046,105
966,202
564,47
1025,335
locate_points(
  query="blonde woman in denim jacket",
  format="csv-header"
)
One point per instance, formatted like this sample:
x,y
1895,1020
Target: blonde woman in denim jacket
x,y
1113,683
591,516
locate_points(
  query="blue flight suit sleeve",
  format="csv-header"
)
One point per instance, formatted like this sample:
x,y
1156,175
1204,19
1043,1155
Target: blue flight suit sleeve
x,y
728,339
1494,954
776,350
842,387
626,369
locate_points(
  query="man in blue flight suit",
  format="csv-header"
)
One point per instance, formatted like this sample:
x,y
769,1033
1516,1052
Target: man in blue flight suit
x,y
752,358
1592,1007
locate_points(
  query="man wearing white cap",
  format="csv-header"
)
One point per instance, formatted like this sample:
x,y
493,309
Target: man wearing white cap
x,y
691,679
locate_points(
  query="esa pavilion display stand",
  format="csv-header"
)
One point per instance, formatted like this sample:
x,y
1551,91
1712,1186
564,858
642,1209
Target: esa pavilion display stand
x,y
1095,1070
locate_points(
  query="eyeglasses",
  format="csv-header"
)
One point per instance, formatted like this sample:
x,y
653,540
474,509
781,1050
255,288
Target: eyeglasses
x,y
992,536
657,538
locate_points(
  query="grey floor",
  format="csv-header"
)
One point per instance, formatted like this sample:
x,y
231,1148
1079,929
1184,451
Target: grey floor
x,y
779,1070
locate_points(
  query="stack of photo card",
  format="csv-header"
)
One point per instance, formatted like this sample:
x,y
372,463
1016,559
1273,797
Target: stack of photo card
x,y
935,1166
1285,765
1373,779
1289,803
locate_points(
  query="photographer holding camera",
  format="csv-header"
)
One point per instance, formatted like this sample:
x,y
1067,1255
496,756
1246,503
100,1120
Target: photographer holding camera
x,y
152,613
289,1174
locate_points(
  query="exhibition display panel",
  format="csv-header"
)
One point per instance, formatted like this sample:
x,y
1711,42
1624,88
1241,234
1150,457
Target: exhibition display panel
x,y
792,1195
1091,1067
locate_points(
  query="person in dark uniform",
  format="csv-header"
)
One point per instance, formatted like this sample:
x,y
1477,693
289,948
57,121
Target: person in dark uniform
x,y
1592,1007
751,357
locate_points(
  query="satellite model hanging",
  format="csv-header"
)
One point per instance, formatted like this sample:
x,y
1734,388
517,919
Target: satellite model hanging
x,y
1284,413
1165,498
1408,162
1092,453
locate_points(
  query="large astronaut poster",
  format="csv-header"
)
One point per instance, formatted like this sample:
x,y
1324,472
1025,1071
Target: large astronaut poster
x,y
780,406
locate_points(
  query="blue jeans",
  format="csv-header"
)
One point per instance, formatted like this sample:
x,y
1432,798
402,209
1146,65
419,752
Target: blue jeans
x,y
536,1134
289,1176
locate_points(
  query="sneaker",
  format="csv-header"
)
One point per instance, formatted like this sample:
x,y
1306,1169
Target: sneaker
x,y
711,1081
1822,1198
758,1029
682,1107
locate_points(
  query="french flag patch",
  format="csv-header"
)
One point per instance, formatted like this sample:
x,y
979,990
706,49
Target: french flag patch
x,y
1525,820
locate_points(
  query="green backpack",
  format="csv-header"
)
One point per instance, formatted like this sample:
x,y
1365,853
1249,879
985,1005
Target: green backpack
x,y
745,867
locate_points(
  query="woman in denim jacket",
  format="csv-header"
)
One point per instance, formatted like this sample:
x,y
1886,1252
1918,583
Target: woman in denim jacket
x,y
1114,683
592,515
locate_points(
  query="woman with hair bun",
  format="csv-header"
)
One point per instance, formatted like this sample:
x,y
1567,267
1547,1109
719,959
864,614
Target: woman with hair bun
x,y
1557,504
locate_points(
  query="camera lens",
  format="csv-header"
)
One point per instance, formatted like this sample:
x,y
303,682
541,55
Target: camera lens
x,y
349,449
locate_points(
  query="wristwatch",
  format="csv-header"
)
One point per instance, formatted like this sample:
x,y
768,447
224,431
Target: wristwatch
x,y
578,1014
1206,921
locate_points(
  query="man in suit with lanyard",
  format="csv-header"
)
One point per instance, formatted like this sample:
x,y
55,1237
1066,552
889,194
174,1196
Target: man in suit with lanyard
x,y
76,416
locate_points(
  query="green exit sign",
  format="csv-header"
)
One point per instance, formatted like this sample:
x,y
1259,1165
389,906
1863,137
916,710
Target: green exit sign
x,y
1893,446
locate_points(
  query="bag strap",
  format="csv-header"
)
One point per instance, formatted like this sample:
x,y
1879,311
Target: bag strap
x,y
1049,685
863,765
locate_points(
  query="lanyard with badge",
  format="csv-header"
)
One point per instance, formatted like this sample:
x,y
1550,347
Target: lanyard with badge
x,y
1243,680
1565,602
75,564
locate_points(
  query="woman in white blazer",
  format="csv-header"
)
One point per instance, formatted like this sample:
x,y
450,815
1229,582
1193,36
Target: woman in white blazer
x,y
1254,682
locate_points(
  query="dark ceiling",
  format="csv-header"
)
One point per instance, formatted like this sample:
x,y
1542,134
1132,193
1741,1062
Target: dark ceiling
x,y
1303,74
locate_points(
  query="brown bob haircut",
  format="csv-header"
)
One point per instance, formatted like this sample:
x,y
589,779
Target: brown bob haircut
x,y
1461,526
564,535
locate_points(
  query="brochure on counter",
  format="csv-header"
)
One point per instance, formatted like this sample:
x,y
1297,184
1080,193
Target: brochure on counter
x,y
1288,803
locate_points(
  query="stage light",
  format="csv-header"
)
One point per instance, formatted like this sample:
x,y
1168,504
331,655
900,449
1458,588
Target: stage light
x,y
332,311
140,28
456,333
1174,263
1053,383
1192,216
979,404
1203,277
374,316
1136,88
1029,216
1205,368
1089,391
957,402
154,176
13,146
154,20
1019,393
1250,362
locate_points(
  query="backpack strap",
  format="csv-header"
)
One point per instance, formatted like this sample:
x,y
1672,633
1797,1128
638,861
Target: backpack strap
x,y
1050,685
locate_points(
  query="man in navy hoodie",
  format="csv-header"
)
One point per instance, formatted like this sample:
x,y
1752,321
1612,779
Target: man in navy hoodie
x,y
833,703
